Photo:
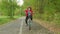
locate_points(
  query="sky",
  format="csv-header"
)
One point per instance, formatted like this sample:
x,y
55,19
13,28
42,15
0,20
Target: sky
x,y
20,2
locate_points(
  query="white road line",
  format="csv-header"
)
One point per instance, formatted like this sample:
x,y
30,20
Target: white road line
x,y
21,27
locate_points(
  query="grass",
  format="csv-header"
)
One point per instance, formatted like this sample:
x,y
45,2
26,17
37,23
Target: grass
x,y
5,19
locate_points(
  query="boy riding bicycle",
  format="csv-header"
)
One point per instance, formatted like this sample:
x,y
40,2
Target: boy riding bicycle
x,y
28,14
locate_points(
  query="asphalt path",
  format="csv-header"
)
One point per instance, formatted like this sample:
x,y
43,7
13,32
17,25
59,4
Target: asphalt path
x,y
19,27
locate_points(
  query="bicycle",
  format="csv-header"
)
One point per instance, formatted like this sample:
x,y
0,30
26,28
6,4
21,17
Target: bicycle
x,y
29,22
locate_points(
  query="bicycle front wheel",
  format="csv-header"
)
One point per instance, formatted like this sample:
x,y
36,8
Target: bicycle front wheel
x,y
29,24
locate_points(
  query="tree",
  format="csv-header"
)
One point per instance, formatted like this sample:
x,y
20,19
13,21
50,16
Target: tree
x,y
9,6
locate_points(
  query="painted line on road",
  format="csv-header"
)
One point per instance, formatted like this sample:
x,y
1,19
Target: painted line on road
x,y
21,27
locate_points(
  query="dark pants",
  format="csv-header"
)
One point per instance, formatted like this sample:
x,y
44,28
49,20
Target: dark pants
x,y
28,18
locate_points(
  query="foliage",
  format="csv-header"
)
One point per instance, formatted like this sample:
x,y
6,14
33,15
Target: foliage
x,y
8,7
51,10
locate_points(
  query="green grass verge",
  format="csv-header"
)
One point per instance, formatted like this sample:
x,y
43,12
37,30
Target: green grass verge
x,y
4,20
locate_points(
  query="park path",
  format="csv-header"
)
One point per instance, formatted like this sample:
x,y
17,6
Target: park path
x,y
19,27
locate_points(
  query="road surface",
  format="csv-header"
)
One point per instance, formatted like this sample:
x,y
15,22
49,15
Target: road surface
x,y
19,27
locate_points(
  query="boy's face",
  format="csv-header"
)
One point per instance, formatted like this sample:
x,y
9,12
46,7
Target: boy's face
x,y
28,8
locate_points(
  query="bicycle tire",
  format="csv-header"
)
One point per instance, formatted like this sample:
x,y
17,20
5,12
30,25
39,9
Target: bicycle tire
x,y
29,23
